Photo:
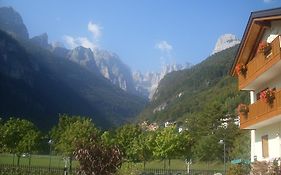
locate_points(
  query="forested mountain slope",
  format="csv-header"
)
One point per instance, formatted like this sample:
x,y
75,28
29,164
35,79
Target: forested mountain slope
x,y
188,92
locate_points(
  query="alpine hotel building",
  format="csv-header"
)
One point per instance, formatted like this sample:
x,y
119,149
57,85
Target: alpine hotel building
x,y
258,67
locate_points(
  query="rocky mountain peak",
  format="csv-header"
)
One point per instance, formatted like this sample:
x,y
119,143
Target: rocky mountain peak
x,y
147,83
41,40
112,68
11,22
225,41
84,57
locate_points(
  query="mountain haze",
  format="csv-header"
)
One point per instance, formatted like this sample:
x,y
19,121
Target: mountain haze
x,y
39,82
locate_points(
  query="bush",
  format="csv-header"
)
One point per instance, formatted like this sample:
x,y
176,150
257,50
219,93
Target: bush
x,y
239,169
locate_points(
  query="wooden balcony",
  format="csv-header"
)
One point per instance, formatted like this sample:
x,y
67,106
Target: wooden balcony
x,y
261,69
261,113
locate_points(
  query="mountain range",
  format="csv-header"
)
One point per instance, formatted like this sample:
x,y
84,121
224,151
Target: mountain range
x,y
39,82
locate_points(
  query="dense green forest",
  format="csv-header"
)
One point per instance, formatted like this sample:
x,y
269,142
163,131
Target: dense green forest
x,y
203,100
188,92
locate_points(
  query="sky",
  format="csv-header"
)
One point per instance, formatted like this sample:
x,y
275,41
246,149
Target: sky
x,y
146,34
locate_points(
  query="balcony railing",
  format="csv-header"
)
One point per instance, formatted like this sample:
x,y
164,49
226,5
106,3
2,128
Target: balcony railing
x,y
258,66
262,113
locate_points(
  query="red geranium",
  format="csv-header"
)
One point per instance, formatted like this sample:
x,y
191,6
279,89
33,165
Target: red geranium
x,y
240,69
264,47
268,95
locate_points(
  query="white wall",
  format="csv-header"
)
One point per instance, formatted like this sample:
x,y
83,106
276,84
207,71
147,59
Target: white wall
x,y
273,132
271,33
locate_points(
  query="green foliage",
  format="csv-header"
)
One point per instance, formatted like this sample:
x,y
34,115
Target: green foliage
x,y
70,131
108,138
167,143
199,86
241,146
142,147
204,99
20,136
126,138
25,170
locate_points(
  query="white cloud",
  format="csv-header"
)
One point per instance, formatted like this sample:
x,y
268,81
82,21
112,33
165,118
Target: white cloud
x,y
73,42
95,29
164,46
79,41
70,41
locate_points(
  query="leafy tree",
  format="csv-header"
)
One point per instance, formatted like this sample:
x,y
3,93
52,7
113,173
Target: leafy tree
x,y
69,132
207,148
20,136
108,138
185,145
141,148
126,137
241,146
167,143
64,122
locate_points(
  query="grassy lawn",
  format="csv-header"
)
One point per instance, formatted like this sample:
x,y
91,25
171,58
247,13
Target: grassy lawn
x,y
36,160
181,165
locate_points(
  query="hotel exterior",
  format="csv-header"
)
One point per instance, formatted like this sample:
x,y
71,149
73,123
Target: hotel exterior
x,y
258,67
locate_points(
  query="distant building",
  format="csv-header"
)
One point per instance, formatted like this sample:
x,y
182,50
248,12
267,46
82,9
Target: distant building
x,y
149,126
258,67
167,124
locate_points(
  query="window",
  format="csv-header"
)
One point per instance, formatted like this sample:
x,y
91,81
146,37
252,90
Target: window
x,y
264,141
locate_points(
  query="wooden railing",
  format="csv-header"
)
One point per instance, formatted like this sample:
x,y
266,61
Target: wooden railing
x,y
260,63
261,111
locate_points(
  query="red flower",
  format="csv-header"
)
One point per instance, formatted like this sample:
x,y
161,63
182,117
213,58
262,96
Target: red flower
x,y
268,95
264,47
240,69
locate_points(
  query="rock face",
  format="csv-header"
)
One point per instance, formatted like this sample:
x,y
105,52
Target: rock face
x,y
41,40
103,63
147,83
84,57
112,68
37,85
224,42
11,22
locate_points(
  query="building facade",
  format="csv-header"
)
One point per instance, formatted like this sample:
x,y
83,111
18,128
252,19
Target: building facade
x,y
258,67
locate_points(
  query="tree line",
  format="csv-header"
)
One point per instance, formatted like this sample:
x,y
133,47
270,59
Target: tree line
x,y
78,138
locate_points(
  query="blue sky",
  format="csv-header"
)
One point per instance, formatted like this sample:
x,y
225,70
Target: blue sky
x,y
144,33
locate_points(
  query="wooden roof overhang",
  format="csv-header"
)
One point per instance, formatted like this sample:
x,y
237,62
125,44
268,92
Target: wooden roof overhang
x,y
257,23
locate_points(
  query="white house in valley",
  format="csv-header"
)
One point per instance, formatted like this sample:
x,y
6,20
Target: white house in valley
x,y
258,67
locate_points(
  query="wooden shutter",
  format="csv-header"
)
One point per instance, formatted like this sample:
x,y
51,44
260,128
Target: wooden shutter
x,y
264,145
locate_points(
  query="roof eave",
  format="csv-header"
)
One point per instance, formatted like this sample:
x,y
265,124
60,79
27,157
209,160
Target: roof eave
x,y
263,15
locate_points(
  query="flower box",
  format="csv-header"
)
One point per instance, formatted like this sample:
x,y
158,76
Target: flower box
x,y
264,48
268,95
241,69
243,109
